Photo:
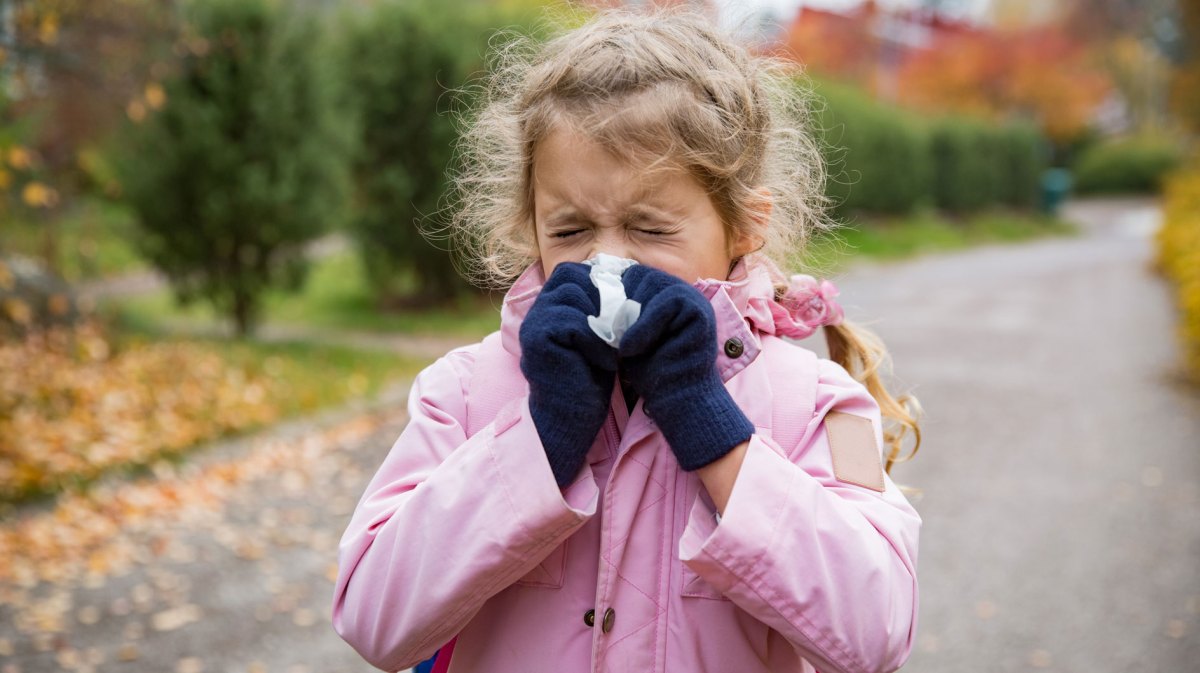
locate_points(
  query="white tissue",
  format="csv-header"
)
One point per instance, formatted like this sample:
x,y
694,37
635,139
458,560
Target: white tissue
x,y
617,312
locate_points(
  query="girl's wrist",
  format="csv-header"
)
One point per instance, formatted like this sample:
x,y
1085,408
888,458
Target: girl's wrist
x,y
719,477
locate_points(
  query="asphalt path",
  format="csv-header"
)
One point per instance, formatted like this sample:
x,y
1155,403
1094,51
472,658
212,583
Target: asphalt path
x,y
1060,469
1059,484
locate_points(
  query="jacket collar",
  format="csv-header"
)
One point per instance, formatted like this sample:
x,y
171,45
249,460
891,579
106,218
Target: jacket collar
x,y
742,305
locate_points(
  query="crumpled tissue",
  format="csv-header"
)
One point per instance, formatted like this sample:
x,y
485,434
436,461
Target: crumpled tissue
x,y
617,312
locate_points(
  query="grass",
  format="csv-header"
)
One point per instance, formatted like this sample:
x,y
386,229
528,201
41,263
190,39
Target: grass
x,y
94,240
921,233
317,375
336,296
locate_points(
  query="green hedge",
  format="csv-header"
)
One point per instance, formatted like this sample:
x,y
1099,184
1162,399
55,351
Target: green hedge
x,y
878,157
888,160
1023,158
1136,164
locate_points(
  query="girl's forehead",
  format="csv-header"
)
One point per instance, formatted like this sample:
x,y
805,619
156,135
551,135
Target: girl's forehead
x,y
566,161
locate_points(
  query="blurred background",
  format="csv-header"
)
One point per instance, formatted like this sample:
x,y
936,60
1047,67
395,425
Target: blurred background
x,y
215,292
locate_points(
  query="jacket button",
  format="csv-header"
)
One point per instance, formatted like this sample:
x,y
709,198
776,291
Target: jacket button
x,y
609,616
589,618
734,347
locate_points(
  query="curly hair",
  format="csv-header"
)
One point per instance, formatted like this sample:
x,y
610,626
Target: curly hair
x,y
658,88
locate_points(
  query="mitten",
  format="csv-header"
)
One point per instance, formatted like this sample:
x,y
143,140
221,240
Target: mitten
x,y
669,357
570,370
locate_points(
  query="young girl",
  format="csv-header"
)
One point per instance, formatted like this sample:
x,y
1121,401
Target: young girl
x,y
726,507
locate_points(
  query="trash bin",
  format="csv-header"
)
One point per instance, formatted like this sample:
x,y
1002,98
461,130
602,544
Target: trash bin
x,y
1056,185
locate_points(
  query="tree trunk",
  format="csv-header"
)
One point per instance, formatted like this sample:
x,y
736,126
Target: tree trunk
x,y
243,313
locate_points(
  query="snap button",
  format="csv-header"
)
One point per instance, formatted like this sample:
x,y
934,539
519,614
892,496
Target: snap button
x,y
609,616
734,347
589,618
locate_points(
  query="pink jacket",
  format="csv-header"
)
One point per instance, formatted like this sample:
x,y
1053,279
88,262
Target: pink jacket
x,y
463,530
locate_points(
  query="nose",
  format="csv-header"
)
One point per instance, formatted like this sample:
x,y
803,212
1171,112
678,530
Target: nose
x,y
611,241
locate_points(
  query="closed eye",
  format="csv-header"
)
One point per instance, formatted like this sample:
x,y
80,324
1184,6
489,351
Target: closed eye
x,y
566,234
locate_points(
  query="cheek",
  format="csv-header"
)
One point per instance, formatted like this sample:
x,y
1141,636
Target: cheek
x,y
552,255
676,265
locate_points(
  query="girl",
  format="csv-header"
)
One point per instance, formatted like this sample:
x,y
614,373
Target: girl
x,y
727,506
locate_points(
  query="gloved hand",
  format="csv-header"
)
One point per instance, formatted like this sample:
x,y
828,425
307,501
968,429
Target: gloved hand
x,y
570,370
669,356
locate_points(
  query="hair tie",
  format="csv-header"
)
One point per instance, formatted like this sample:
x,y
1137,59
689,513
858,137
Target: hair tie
x,y
806,304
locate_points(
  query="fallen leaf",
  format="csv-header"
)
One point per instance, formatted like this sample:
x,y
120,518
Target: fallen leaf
x,y
128,652
189,665
169,620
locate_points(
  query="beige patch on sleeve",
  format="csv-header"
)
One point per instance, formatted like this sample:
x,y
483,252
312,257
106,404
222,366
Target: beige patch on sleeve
x,y
855,450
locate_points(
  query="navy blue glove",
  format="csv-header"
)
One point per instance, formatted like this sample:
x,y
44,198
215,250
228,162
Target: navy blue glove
x,y
669,356
570,370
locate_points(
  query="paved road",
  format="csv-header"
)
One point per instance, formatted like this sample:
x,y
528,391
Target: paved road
x,y
1061,464
1060,476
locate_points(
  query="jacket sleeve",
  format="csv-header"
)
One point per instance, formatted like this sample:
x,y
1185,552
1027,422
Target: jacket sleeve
x,y
448,521
829,565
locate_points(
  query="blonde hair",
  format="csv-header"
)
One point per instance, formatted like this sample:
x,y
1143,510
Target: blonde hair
x,y
658,87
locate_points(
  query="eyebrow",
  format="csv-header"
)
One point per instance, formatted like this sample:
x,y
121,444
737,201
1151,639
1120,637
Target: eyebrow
x,y
573,215
562,218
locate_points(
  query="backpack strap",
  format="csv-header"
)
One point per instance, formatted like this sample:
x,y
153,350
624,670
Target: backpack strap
x,y
793,373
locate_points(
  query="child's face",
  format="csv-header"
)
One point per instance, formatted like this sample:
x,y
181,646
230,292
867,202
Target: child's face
x,y
586,201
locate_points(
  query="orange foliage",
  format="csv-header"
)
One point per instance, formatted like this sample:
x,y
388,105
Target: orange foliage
x,y
917,57
831,43
1040,73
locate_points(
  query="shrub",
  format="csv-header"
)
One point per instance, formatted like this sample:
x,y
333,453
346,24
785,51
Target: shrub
x,y
964,165
1022,159
887,160
1130,165
407,62
1179,257
878,157
244,162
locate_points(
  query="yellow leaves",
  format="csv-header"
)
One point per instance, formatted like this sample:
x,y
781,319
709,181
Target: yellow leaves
x,y
18,310
132,528
1179,256
71,408
128,652
48,28
135,110
304,617
38,195
189,665
90,532
174,618
20,158
155,96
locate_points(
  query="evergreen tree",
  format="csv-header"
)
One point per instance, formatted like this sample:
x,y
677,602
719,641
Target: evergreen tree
x,y
246,160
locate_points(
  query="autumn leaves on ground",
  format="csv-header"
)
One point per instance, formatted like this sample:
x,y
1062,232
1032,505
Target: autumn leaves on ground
x,y
129,568
171,495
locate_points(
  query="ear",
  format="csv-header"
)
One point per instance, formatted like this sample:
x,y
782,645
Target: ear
x,y
749,240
